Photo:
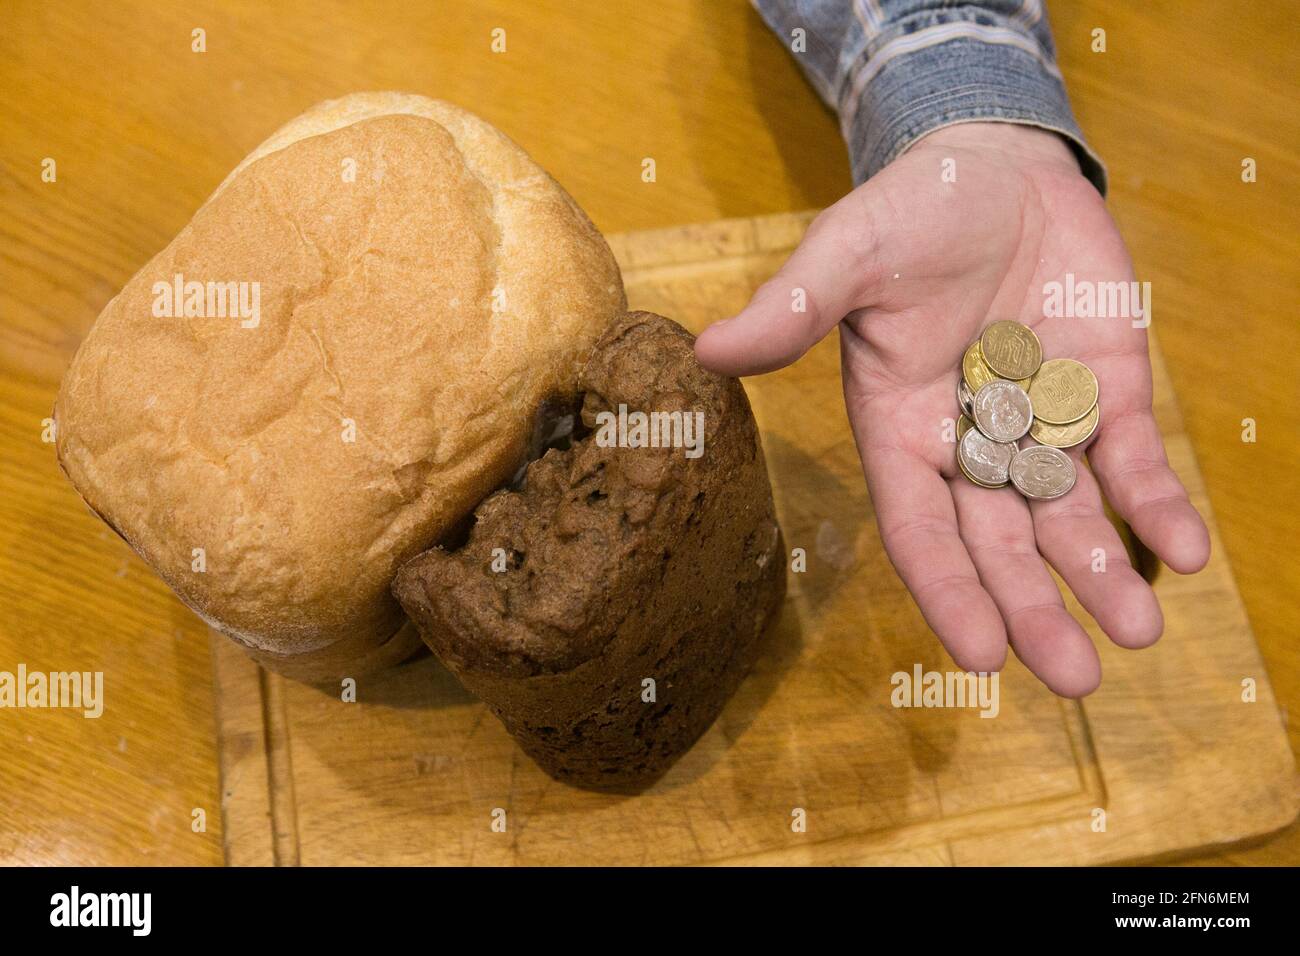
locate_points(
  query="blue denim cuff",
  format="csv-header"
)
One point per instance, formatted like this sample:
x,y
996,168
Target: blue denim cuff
x,y
958,81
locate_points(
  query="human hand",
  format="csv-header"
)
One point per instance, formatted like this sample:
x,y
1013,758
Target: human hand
x,y
912,268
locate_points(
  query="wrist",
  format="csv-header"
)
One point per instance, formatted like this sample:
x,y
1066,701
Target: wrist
x,y
1016,141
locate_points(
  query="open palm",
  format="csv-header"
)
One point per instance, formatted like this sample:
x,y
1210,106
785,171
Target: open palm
x,y
912,266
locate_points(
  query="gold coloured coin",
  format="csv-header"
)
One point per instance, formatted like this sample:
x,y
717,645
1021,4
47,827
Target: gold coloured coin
x,y
1063,391
964,425
974,369
1011,350
1062,436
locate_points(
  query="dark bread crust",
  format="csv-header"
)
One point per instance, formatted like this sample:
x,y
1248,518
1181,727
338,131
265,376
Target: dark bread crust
x,y
623,564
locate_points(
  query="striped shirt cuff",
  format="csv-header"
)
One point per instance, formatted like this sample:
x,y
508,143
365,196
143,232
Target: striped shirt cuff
x,y
918,84
895,70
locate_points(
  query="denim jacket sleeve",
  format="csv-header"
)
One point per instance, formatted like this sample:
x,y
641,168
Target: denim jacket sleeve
x,y
895,70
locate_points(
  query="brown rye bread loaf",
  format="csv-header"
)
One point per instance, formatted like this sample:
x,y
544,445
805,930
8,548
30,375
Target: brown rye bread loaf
x,y
621,564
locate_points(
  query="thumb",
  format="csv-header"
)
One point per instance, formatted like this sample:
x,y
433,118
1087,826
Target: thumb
x,y
833,272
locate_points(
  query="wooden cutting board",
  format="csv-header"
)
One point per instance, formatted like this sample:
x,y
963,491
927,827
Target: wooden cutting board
x,y
1166,752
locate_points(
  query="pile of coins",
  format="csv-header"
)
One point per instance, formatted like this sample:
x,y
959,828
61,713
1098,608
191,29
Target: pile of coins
x,y
1007,392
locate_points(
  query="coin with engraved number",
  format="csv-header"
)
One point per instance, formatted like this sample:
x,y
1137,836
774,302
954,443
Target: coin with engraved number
x,y
1063,391
1002,410
964,396
1065,436
1011,350
1042,472
984,460
974,369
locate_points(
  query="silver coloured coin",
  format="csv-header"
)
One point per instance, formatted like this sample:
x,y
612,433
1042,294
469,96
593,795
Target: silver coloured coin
x,y
986,460
1002,410
965,398
1042,472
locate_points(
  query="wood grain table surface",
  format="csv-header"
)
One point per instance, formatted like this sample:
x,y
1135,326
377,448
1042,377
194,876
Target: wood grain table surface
x,y
142,129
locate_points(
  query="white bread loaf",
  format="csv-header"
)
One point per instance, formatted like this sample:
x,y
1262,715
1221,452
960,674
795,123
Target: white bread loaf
x,y
415,283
